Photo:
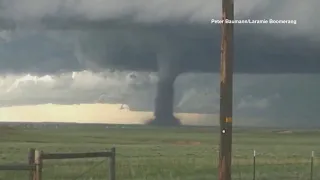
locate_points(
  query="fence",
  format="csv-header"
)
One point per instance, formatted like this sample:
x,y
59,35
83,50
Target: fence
x,y
254,167
30,166
36,160
308,165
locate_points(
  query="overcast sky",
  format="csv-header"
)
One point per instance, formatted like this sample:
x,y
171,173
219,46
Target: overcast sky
x,y
38,55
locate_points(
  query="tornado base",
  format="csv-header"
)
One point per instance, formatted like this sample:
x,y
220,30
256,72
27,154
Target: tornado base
x,y
164,121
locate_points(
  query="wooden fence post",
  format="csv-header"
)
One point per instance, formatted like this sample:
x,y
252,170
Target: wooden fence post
x,y
254,164
31,163
311,170
38,163
112,164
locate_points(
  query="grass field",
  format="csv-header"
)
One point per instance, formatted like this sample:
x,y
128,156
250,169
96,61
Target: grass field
x,y
161,153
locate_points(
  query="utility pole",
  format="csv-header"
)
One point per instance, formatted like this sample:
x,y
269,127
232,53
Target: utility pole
x,y
226,91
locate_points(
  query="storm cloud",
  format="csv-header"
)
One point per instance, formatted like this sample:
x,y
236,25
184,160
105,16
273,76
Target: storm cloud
x,y
55,37
129,35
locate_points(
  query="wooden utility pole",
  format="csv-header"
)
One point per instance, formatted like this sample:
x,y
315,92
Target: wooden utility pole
x,y
226,91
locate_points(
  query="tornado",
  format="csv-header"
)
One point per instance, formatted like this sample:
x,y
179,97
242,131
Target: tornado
x,y
168,70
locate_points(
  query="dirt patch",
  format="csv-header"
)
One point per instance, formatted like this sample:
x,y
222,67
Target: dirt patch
x,y
191,143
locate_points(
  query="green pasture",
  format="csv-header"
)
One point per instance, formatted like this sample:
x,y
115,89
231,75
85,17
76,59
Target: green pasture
x,y
161,153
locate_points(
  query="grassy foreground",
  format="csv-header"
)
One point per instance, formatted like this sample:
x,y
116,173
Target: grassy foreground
x,y
161,153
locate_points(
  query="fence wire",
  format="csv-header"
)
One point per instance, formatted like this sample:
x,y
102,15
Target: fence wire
x,y
74,169
267,166
261,167
82,169
12,155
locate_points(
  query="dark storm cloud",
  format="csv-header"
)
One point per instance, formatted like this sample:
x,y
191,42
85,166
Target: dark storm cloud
x,y
135,34
130,34
36,53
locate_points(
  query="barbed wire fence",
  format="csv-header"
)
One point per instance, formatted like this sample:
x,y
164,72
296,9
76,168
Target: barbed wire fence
x,y
61,166
75,169
255,166
258,168
13,163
